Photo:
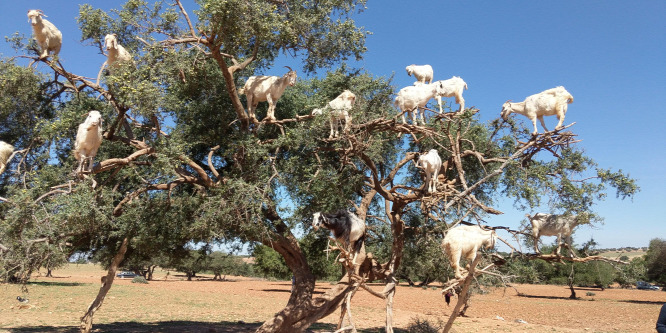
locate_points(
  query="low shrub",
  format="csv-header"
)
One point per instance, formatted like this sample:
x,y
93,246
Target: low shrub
x,y
418,325
139,279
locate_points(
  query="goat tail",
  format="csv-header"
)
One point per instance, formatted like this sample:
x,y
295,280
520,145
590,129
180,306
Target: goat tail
x,y
241,91
570,99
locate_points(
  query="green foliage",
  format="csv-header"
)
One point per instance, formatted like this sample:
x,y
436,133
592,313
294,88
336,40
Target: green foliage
x,y
192,264
529,271
270,263
323,265
423,261
655,261
221,263
559,182
629,274
322,32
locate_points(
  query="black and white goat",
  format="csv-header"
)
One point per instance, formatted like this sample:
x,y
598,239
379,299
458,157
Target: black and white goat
x,y
347,229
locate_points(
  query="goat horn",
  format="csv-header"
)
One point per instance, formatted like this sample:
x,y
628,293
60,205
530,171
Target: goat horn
x,y
291,70
508,101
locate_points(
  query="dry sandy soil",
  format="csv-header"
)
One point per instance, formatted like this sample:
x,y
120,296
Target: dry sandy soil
x,y
171,304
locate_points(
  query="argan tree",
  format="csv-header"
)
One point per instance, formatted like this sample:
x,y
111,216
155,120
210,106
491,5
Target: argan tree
x,y
182,161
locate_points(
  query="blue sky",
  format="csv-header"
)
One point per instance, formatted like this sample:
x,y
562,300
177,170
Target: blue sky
x,y
610,55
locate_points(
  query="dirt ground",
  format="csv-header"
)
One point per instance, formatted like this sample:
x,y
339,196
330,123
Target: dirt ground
x,y
171,304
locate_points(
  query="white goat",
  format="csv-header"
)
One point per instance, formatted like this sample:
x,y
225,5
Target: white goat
x,y
466,240
266,89
6,151
553,225
116,53
88,140
47,35
347,229
339,110
546,103
431,163
453,87
411,98
422,73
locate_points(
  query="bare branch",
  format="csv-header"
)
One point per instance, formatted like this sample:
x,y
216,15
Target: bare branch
x,y
210,162
187,17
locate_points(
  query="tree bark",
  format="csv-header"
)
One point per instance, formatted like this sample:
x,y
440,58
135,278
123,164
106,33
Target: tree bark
x,y
231,88
87,319
302,310
462,297
570,282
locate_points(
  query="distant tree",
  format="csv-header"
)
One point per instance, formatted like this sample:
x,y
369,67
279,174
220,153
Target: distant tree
x,y
655,261
269,263
629,274
192,264
220,263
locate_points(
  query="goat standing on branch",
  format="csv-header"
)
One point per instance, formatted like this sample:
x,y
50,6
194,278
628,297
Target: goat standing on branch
x,y
6,151
431,163
116,53
553,225
546,103
88,140
410,99
266,89
47,35
453,87
347,229
339,110
466,240
422,73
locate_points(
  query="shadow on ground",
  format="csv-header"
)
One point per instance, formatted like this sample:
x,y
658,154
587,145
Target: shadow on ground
x,y
59,284
644,302
547,297
177,327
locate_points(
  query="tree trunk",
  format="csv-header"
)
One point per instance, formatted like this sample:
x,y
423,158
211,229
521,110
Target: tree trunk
x,y
462,298
394,212
345,312
570,282
151,270
302,310
390,287
86,320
